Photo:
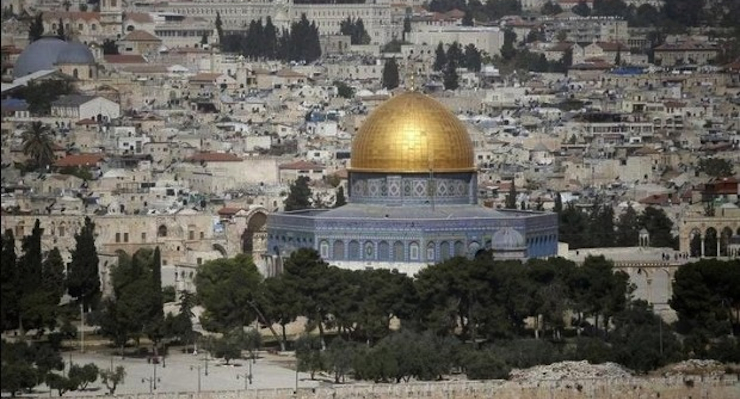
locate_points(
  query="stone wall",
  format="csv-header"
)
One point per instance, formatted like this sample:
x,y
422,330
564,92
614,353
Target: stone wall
x,y
724,387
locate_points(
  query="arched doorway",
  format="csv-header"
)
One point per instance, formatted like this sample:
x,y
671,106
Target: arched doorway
x,y
710,242
257,223
724,241
695,243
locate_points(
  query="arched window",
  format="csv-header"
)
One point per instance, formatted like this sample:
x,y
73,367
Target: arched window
x,y
414,251
90,73
369,250
62,229
324,249
354,250
459,248
338,250
75,73
430,251
444,250
384,251
162,231
398,251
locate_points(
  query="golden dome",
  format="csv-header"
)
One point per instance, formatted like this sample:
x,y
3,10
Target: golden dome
x,y
412,133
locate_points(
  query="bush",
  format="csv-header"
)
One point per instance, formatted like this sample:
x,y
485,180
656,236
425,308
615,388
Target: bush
x,y
486,365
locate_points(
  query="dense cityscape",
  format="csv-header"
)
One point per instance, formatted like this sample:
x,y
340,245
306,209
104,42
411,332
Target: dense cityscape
x,y
355,198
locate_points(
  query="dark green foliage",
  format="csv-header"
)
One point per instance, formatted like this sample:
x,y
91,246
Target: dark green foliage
x,y
111,379
468,18
40,95
440,60
52,276
24,365
628,230
38,145
550,8
355,29
9,283
599,291
473,59
344,90
110,47
390,74
715,167
393,46
582,9
228,289
36,29
229,346
219,28
455,55
340,198
507,50
299,196
706,297
169,294
511,197
594,350
659,226
37,308
60,31
83,282
485,365
61,383
639,340
309,354
300,43
573,225
280,304
450,78
601,225
340,356
82,376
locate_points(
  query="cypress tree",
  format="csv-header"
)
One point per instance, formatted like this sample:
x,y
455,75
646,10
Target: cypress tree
x,y
270,37
52,279
440,59
219,28
60,31
390,74
450,76
299,196
30,276
83,282
558,204
340,198
36,29
9,283
511,198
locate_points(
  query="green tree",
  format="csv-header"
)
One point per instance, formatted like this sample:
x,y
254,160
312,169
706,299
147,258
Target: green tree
x,y
573,225
581,9
627,228
558,207
339,358
390,74
715,167
281,304
61,33
507,49
299,196
36,29
440,59
219,28
550,8
204,39
511,197
706,298
344,90
110,47
35,308
83,282
450,78
340,199
473,59
228,347
61,383
468,18
228,290
111,378
38,144
308,352
601,225
10,283
52,276
599,291
659,226
82,376
154,326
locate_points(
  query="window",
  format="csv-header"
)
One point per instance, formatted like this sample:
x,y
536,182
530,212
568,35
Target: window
x,y
143,236
162,231
324,249
125,237
430,251
398,251
62,231
369,250
118,237
202,235
338,250
191,235
354,250
384,251
414,251
199,261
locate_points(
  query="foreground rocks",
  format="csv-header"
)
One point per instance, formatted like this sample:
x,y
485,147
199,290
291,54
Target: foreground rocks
x,y
570,370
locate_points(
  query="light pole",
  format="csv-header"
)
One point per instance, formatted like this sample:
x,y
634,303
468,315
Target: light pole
x,y
197,367
247,377
152,380
205,360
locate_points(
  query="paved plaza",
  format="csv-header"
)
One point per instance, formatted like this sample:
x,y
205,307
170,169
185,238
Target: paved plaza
x,y
179,373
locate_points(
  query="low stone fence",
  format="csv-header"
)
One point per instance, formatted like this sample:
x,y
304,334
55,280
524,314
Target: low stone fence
x,y
680,387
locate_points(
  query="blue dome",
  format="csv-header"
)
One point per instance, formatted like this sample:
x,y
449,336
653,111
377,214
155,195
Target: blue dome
x,y
44,53
508,238
76,53
38,56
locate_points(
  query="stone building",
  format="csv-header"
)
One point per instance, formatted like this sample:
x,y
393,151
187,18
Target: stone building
x,y
412,200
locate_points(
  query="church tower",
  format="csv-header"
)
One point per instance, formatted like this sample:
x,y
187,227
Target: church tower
x,y
111,18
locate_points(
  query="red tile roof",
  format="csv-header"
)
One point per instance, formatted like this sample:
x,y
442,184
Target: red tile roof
x,y
214,157
140,17
302,165
124,59
141,36
80,160
227,211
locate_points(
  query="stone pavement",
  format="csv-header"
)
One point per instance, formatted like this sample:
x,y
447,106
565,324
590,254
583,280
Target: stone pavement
x,y
180,372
